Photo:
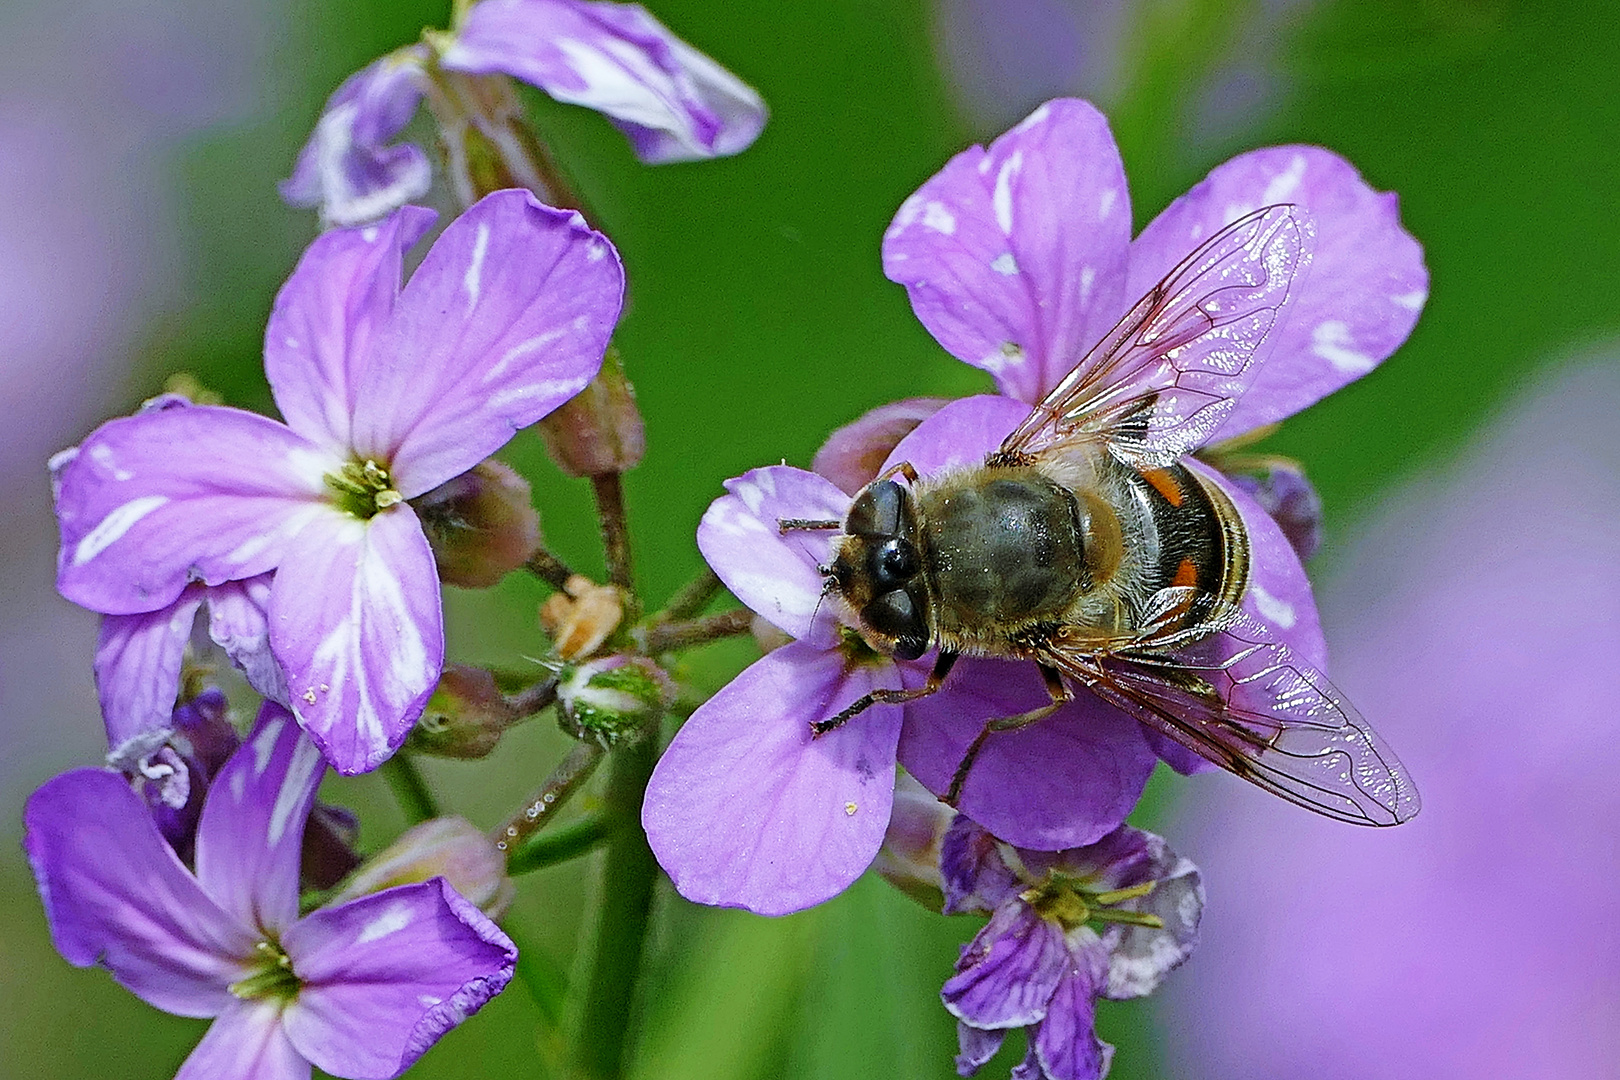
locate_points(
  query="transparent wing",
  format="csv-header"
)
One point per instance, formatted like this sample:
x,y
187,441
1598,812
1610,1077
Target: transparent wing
x,y
1163,379
1241,698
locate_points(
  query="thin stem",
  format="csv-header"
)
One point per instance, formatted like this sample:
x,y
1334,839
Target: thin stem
x,y
662,637
692,597
615,530
410,789
548,568
628,877
565,842
542,806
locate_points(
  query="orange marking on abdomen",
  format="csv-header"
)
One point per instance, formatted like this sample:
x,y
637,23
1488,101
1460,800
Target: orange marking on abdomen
x,y
1186,573
1165,484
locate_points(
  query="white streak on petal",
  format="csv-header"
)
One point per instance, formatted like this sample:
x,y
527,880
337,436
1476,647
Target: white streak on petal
x,y
305,760
1284,184
391,921
475,269
115,525
1331,341
1004,264
936,217
1278,612
1001,199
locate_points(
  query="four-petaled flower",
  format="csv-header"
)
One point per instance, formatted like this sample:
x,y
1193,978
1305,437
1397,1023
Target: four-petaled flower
x,y
1066,927
673,103
387,393
360,990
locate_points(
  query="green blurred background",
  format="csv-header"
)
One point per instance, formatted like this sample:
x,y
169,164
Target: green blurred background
x,y
759,320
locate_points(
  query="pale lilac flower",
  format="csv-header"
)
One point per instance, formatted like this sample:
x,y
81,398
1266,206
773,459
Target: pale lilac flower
x,y
1108,920
1480,940
360,990
387,393
671,101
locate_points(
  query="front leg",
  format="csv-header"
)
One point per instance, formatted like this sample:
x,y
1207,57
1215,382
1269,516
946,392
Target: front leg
x,y
936,679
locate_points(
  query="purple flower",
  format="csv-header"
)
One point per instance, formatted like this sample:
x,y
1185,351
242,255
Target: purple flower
x,y
387,393
1067,927
359,990
671,101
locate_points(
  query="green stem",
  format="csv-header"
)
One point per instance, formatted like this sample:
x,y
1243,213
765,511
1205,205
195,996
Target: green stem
x,y
561,844
628,877
410,789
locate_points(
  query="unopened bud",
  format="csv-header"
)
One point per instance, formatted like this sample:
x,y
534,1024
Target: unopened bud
x,y
909,857
447,847
581,617
614,700
465,717
481,524
598,431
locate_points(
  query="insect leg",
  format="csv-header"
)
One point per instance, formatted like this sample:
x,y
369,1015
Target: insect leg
x,y
936,679
1060,694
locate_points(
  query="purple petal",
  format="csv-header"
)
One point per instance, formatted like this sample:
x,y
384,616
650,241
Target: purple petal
x,y
975,1046
385,975
154,501
975,876
853,455
355,620
239,623
1007,973
247,1042
507,318
325,319
746,809
771,571
960,435
138,661
252,824
116,894
346,168
1063,781
1014,257
1362,297
1066,1045
674,103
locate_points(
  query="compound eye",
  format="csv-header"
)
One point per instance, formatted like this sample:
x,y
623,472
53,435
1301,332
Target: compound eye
x,y
895,615
894,562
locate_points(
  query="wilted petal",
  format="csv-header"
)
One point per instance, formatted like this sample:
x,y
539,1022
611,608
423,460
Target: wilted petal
x,y
772,571
976,877
347,168
154,501
326,317
674,103
116,894
247,1042
507,318
1014,257
975,1046
1366,285
1007,973
1066,1043
1063,781
138,662
746,809
239,623
253,823
853,455
960,435
355,619
385,975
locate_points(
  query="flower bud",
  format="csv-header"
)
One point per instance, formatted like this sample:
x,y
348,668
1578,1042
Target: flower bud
x,y
465,718
581,617
481,524
614,700
909,857
599,431
447,847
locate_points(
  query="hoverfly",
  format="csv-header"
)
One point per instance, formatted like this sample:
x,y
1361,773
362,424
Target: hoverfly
x,y
1086,545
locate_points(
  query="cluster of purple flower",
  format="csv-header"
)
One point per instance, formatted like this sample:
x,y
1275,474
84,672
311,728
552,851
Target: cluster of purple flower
x,y
310,543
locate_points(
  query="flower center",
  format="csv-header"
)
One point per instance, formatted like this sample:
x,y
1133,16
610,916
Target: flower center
x,y
1066,901
272,978
363,488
